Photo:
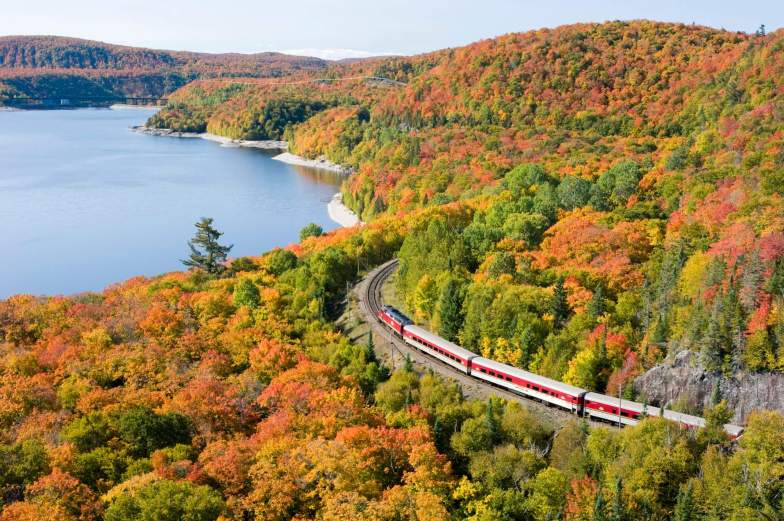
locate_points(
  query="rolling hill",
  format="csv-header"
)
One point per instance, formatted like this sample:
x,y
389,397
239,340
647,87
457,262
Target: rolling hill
x,y
51,66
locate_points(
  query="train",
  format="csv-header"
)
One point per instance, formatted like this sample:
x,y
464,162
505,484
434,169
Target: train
x,y
573,399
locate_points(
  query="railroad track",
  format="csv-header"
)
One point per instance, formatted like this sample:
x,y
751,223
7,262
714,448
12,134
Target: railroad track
x,y
375,282
370,302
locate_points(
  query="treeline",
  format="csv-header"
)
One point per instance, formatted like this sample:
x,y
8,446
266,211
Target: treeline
x,y
52,67
54,52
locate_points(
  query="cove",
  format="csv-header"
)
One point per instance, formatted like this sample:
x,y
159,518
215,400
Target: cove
x,y
85,202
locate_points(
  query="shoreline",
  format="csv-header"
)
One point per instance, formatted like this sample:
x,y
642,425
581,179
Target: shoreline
x,y
126,106
321,163
342,214
337,211
222,141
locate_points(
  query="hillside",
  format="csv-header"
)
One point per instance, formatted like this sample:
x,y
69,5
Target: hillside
x,y
592,203
188,396
50,66
636,166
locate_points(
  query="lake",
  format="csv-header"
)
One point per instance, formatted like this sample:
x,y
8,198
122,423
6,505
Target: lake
x,y
86,202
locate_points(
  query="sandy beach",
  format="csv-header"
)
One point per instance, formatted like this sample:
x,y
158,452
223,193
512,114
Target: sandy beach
x,y
322,163
125,106
340,213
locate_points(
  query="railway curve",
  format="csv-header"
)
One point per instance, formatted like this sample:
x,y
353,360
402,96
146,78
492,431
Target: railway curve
x,y
395,351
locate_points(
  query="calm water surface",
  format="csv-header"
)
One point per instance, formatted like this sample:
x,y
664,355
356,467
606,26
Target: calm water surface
x,y
85,202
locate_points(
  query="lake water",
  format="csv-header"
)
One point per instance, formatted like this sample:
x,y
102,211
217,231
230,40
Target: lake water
x,y
85,202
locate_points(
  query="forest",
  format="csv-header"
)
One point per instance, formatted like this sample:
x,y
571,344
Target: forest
x,y
58,67
232,396
635,169
584,202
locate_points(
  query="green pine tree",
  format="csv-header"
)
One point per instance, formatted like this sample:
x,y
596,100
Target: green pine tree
x,y
775,284
618,512
716,394
596,304
206,252
408,365
491,420
450,310
684,508
599,507
559,306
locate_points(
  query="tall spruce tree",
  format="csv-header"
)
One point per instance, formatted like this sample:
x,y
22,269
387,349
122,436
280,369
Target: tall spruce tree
x,y
450,310
618,512
599,506
596,304
559,306
684,507
206,252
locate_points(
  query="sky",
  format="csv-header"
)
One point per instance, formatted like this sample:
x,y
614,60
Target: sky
x,y
351,28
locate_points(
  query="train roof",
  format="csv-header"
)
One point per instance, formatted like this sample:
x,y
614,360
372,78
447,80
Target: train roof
x,y
678,417
442,342
397,315
630,405
686,419
531,377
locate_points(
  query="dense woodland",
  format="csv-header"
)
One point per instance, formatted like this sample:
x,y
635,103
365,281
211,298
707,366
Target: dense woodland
x,y
57,67
583,202
198,397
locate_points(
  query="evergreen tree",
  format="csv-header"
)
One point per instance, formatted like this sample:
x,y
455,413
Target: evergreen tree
x,y
751,280
618,511
684,507
775,284
450,310
491,420
559,306
206,252
596,304
716,395
310,230
408,365
598,508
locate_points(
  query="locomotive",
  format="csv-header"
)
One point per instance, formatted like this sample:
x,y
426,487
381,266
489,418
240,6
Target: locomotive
x,y
568,397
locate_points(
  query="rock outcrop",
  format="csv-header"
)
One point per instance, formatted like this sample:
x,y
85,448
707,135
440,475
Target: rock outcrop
x,y
686,381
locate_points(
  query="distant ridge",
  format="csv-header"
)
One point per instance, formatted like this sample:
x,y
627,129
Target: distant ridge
x,y
56,66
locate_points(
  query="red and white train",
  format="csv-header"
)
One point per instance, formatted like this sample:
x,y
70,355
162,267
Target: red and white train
x,y
573,399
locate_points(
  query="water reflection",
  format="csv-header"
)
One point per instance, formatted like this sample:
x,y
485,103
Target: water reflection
x,y
84,202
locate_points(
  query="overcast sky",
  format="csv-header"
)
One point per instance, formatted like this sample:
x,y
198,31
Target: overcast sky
x,y
340,28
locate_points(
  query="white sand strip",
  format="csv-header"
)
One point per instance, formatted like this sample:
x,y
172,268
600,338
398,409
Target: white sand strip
x,y
324,164
124,106
340,213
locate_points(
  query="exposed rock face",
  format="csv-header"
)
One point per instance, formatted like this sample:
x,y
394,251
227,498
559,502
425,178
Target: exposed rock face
x,y
685,380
